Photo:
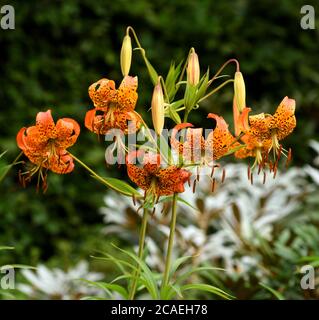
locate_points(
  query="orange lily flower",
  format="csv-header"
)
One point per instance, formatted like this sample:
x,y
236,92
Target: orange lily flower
x,y
113,107
196,149
263,132
154,179
45,143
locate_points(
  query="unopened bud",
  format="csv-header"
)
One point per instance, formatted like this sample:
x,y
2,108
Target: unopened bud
x,y
158,108
126,55
193,69
239,91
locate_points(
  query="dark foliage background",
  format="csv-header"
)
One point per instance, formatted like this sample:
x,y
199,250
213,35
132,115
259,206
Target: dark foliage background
x,y
60,47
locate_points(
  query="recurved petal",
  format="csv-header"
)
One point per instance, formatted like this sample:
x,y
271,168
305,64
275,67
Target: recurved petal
x,y
171,180
95,123
68,131
259,126
137,173
220,140
128,122
45,126
102,93
127,95
284,120
60,163
152,162
30,139
175,143
21,139
243,120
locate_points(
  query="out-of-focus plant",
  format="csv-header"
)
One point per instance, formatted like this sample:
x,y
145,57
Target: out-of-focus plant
x,y
58,284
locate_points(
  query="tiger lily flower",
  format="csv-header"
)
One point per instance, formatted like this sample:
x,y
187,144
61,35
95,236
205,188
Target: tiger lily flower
x,y
262,132
154,179
196,149
113,107
45,144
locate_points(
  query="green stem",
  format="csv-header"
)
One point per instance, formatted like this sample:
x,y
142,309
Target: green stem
x,y
150,68
170,242
185,116
100,179
215,90
10,166
140,252
222,68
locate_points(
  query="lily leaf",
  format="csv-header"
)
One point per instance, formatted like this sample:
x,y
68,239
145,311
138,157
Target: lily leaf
x,y
207,288
120,186
277,294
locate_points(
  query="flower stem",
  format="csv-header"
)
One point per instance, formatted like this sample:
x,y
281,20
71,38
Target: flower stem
x,y
215,90
15,161
102,180
222,68
140,252
170,242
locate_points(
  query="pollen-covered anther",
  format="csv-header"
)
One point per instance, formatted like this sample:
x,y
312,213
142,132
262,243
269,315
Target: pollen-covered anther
x,y
223,175
289,157
213,185
194,185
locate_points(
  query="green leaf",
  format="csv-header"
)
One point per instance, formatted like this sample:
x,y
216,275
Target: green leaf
x,y
3,153
207,288
169,198
233,150
6,248
187,274
190,97
177,104
203,85
277,294
147,277
174,116
309,259
171,79
109,287
164,148
120,263
169,291
177,263
120,186
152,72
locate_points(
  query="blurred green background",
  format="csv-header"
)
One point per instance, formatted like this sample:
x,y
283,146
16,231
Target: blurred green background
x,y
58,48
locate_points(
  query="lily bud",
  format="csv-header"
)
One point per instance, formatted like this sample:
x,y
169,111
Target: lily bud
x,y
158,108
193,69
240,91
126,55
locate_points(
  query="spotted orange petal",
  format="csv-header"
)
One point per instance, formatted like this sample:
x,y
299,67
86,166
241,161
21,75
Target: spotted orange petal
x,y
127,95
45,126
284,120
102,93
220,140
68,131
171,180
61,163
